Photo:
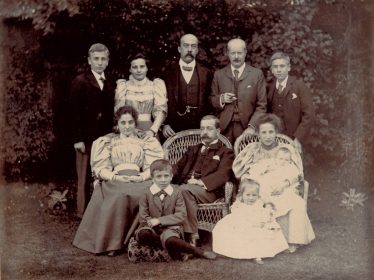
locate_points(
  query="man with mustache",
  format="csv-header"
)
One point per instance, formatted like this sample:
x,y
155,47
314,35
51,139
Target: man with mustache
x,y
290,99
188,85
238,93
203,171
91,103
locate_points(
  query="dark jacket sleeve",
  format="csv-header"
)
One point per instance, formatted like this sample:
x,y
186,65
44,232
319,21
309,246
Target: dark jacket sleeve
x,y
307,111
222,174
261,100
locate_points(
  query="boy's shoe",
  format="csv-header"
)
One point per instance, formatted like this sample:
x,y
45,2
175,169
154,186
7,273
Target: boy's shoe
x,y
209,255
259,261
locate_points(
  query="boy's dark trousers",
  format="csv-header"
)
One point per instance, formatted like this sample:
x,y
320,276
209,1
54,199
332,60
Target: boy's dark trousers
x,y
174,245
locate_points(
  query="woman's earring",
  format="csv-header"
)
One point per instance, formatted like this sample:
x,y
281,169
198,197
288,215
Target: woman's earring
x,y
115,129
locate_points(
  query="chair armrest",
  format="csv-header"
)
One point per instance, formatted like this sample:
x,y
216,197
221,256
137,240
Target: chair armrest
x,y
228,192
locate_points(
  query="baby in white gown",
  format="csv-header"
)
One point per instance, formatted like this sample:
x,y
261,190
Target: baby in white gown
x,y
250,231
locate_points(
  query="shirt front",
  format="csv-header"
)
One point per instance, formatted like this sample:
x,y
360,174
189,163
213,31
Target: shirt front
x,y
283,83
99,78
187,75
240,69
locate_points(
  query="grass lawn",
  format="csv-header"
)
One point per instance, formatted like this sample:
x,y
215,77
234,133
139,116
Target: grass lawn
x,y
37,245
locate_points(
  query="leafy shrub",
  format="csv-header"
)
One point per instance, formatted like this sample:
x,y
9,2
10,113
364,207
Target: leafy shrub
x,y
28,131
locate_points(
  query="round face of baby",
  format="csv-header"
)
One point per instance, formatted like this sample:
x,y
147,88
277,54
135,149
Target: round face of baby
x,y
283,157
250,194
126,125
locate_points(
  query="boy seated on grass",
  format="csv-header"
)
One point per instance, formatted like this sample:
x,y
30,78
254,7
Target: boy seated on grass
x,y
161,214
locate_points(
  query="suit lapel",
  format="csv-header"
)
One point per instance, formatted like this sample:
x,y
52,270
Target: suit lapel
x,y
158,203
288,87
228,72
271,91
245,73
92,80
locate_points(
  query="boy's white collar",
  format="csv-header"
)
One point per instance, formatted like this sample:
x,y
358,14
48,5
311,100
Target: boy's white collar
x,y
155,189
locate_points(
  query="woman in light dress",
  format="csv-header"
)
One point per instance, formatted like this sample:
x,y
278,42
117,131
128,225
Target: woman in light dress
x,y
120,162
146,96
291,209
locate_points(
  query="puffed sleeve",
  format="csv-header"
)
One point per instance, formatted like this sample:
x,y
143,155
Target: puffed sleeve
x,y
152,151
120,96
160,104
100,154
243,160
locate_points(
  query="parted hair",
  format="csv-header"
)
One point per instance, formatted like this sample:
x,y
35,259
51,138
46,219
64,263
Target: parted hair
x,y
272,119
160,165
280,55
126,110
98,47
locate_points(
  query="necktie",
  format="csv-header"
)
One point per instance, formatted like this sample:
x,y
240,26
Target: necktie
x,y
102,79
236,78
280,89
187,68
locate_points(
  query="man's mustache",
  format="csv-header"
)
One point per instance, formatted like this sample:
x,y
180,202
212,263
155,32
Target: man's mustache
x,y
190,55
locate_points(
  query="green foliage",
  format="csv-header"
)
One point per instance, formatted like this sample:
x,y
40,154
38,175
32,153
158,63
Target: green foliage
x,y
28,132
154,28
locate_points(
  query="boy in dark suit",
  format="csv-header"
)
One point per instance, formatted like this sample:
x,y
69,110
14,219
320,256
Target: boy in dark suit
x,y
290,99
161,214
91,103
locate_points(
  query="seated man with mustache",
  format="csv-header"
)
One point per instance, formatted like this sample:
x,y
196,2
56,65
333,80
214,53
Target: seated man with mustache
x,y
202,172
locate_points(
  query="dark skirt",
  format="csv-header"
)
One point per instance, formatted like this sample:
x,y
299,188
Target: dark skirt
x,y
109,216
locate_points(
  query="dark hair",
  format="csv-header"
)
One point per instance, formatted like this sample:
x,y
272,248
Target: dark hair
x,y
272,119
133,57
245,183
212,117
160,165
126,110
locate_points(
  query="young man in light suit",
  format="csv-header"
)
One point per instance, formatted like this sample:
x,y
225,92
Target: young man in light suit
x,y
91,103
238,93
290,99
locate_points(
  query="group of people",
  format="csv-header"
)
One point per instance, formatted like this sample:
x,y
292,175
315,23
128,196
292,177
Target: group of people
x,y
138,192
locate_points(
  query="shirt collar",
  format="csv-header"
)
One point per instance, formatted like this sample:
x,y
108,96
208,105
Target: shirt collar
x,y
240,69
97,75
155,189
191,64
283,83
211,143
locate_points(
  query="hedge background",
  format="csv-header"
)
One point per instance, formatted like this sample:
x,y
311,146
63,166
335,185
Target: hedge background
x,y
330,44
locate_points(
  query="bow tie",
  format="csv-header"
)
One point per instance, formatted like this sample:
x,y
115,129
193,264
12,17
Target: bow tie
x,y
162,194
187,68
102,79
204,148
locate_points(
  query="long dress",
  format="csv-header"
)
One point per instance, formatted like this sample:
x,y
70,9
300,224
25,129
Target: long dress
x,y
147,97
114,205
291,208
239,234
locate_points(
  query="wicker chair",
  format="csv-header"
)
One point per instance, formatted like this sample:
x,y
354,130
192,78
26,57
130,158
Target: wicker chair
x,y
208,214
243,140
